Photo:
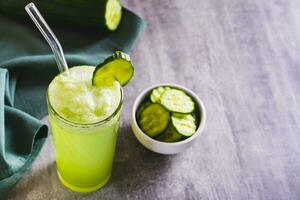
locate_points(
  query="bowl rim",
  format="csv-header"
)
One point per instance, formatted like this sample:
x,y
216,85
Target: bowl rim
x,y
195,97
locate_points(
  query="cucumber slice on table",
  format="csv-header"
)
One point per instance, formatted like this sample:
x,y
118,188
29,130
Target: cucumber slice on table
x,y
113,14
154,119
176,100
185,124
170,135
157,92
116,67
79,14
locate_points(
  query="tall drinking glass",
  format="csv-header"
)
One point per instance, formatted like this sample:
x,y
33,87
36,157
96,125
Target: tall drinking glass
x,y
84,151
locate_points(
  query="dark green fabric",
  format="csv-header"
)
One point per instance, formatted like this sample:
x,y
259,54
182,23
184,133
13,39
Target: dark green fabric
x,y
27,66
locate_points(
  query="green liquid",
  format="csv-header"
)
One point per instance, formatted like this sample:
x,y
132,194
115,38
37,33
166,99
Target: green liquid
x,y
84,152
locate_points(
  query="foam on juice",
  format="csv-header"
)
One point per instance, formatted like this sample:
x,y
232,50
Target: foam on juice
x,y
73,96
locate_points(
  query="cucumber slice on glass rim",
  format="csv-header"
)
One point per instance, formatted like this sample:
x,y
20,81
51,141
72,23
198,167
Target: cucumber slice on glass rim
x,y
177,101
185,124
154,119
117,67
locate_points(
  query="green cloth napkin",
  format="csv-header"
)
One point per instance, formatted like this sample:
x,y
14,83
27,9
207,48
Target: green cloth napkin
x,y
27,66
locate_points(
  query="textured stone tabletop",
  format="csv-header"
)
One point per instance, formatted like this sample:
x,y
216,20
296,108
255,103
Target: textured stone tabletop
x,y
242,57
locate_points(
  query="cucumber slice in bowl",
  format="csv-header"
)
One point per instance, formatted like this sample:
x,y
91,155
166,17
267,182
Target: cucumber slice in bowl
x,y
185,124
177,101
157,92
154,119
142,108
170,135
117,67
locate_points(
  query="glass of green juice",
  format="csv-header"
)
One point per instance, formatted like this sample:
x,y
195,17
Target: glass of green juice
x,y
84,120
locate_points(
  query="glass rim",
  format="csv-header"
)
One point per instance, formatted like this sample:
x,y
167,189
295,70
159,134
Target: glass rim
x,y
85,125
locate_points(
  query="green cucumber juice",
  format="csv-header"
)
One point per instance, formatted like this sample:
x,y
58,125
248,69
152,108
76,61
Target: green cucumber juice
x,y
84,120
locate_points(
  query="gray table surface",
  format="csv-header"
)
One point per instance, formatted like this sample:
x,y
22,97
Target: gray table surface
x,y
242,58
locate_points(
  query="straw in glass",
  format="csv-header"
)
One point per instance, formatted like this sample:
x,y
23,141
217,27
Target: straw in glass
x,y
46,31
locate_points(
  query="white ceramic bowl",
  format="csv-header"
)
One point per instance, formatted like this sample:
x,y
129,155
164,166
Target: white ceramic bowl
x,y
166,147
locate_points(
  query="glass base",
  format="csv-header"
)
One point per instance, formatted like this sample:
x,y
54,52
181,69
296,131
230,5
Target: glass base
x,y
82,189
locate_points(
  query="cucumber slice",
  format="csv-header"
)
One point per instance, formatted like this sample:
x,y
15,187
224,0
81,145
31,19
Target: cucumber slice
x,y
154,119
176,100
141,108
116,67
157,92
113,14
170,135
79,14
185,124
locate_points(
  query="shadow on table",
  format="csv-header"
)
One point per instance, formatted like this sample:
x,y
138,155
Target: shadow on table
x,y
135,167
34,183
